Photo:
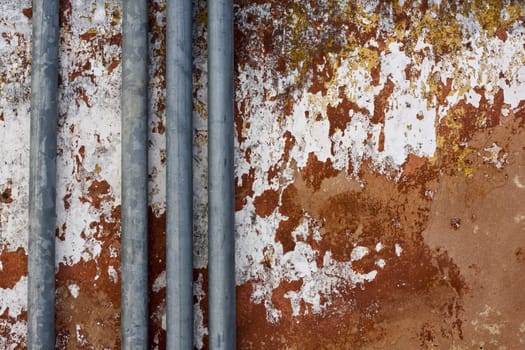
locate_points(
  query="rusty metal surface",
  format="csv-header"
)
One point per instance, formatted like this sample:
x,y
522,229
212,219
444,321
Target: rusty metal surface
x,y
379,174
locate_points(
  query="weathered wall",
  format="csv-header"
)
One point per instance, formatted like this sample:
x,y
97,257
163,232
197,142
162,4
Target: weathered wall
x,y
379,171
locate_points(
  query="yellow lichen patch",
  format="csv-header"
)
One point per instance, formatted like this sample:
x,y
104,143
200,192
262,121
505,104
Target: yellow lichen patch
x,y
116,17
450,148
464,164
369,59
494,14
488,14
443,32
356,12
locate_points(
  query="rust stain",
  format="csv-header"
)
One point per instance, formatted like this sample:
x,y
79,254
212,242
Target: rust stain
x,y
316,171
98,191
381,104
14,267
266,202
6,195
244,190
28,12
89,35
421,296
339,115
156,265
88,294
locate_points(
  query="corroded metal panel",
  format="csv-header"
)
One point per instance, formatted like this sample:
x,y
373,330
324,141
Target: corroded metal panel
x,y
379,174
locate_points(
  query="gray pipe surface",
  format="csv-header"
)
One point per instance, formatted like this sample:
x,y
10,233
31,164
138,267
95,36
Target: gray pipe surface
x,y
221,240
134,238
179,139
42,178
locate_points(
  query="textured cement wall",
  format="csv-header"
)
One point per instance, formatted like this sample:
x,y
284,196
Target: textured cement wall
x,y
380,174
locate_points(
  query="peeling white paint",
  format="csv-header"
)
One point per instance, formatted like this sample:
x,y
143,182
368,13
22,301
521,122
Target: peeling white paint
x,y
358,253
381,263
160,282
17,334
319,283
74,290
15,299
112,273
494,156
398,249
15,53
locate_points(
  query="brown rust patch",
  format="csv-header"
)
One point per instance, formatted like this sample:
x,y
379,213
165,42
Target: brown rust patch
x,y
245,189
98,192
289,142
97,306
418,300
28,12
14,267
487,203
315,171
5,196
156,265
114,64
339,115
290,208
322,73
381,102
443,91
413,163
266,202
416,286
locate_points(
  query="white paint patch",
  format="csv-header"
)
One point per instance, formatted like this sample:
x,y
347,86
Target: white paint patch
x,y
80,338
379,247
160,282
112,273
358,253
74,290
398,249
381,263
15,299
494,157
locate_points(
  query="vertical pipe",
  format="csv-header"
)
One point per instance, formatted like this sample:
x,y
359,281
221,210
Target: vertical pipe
x,y
42,178
134,268
179,232
221,242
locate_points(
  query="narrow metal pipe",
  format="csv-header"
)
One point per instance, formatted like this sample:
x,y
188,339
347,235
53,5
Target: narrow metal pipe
x,y
221,242
179,138
134,239
42,178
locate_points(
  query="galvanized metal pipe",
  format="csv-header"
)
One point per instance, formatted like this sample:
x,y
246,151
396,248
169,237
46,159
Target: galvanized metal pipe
x,y
134,239
221,242
42,178
179,138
